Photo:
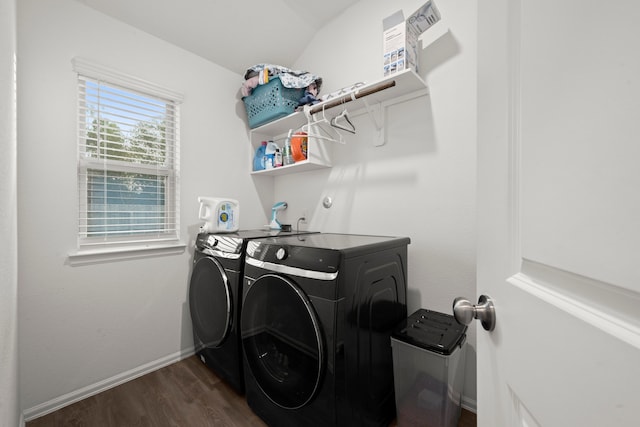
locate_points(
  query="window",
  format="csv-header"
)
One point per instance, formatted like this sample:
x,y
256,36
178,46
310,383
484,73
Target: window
x,y
128,160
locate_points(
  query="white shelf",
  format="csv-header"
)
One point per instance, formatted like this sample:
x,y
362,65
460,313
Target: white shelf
x,y
302,166
404,84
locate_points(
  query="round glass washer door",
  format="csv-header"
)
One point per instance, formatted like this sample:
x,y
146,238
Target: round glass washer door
x,y
282,341
210,302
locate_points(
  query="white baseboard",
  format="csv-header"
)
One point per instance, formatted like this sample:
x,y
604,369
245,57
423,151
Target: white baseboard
x,y
469,404
90,390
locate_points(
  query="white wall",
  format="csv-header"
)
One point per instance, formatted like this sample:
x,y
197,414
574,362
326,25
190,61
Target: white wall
x,y
82,327
422,183
9,403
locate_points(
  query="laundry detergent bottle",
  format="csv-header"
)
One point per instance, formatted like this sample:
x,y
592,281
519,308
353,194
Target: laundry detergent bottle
x,y
220,215
258,160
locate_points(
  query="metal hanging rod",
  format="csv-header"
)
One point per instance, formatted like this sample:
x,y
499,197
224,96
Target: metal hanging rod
x,y
352,96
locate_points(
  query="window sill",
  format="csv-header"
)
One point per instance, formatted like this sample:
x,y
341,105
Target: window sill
x,y
95,256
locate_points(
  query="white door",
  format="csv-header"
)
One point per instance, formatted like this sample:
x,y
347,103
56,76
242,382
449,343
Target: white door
x,y
559,212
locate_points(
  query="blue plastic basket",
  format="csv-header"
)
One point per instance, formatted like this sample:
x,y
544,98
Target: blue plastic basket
x,y
270,101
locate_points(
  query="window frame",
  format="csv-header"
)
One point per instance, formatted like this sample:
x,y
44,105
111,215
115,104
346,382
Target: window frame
x,y
110,246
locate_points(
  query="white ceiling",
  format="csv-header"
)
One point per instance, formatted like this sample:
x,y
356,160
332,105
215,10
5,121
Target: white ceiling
x,y
233,34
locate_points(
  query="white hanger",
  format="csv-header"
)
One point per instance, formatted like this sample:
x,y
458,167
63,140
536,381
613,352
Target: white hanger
x,y
320,127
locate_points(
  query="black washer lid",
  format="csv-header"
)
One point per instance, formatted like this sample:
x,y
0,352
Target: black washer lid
x,y
431,330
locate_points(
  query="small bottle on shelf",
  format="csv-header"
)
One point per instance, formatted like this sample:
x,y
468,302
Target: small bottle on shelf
x,y
270,154
287,158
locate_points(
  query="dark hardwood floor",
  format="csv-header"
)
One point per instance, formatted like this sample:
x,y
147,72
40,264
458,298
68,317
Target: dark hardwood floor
x,y
184,394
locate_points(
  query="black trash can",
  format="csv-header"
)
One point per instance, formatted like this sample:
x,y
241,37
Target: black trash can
x,y
428,369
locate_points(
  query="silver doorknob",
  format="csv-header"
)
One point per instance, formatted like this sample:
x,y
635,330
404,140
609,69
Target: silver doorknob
x,y
465,312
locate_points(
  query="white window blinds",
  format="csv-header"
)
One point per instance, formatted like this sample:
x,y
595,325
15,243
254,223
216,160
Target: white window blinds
x,y
128,160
